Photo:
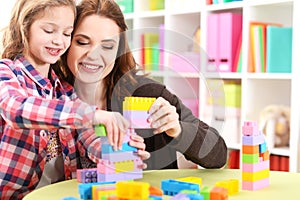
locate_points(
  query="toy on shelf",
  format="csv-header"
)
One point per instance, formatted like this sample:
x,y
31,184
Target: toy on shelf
x,y
255,158
275,124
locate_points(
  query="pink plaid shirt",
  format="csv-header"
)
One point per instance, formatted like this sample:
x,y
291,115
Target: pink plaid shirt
x,y
30,107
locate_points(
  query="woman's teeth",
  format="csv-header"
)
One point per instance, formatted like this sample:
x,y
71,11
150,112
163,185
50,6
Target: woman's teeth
x,y
92,66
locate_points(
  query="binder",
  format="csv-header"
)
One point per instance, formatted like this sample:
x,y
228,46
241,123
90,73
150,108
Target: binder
x,y
279,49
212,42
229,35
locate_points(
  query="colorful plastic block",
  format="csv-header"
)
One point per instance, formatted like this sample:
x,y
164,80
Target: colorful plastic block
x,y
173,187
133,190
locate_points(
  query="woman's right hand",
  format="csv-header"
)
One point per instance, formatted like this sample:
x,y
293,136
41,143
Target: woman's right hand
x,y
116,126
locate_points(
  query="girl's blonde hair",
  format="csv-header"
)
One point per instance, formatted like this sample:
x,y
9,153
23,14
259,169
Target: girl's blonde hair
x,y
24,13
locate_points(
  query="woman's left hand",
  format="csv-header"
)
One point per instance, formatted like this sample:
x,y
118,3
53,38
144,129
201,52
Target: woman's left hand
x,y
164,118
138,142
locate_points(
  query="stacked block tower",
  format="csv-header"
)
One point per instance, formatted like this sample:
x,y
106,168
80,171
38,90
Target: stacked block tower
x,y
121,164
255,158
135,110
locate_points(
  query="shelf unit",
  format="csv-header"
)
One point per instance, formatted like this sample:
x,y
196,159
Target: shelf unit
x,y
182,17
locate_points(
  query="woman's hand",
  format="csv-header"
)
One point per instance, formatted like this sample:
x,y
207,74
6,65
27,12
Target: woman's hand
x,y
116,126
138,142
164,118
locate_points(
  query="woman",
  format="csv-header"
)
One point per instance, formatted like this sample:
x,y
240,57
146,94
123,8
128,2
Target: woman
x,y
103,71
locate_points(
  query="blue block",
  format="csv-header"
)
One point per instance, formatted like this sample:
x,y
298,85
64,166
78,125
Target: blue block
x,y
107,148
173,187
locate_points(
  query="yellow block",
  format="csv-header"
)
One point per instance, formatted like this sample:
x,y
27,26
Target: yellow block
x,y
256,176
133,190
191,179
232,185
124,166
138,103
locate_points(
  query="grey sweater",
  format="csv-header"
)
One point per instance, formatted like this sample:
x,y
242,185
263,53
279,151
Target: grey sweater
x,y
198,142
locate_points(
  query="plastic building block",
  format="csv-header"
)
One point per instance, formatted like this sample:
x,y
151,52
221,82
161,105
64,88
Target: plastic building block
x,y
250,128
173,187
232,185
249,185
100,130
138,103
132,190
87,175
218,193
191,179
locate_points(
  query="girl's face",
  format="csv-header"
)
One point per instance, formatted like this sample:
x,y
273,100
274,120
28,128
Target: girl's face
x,y
93,49
50,36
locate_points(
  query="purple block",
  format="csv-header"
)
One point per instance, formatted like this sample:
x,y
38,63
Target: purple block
x,y
253,139
136,174
180,196
137,118
120,156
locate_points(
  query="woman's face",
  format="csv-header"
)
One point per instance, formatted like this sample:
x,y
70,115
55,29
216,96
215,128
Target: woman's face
x,y
93,49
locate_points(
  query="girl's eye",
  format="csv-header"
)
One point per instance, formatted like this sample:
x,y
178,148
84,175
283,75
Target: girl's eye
x,y
67,34
48,31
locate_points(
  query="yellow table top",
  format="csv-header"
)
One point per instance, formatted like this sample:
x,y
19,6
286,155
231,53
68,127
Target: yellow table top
x,y
283,185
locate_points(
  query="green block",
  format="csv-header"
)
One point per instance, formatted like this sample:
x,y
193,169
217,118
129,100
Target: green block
x,y
205,191
100,130
250,158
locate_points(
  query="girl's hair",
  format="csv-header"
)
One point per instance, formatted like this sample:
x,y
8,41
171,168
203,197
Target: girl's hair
x,y
24,13
124,63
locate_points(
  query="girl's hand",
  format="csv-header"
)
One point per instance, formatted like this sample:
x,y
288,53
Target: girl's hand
x,y
164,118
138,142
116,126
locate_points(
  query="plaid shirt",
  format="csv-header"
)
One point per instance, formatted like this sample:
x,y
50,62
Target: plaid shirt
x,y
32,106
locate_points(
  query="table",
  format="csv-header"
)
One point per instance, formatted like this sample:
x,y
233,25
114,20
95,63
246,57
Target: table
x,y
283,185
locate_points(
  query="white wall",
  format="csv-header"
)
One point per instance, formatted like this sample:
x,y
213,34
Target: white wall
x,y
6,7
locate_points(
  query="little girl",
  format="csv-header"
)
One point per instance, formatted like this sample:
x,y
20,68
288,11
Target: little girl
x,y
38,113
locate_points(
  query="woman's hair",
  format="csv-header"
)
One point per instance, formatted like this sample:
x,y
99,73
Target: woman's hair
x,y
24,13
124,63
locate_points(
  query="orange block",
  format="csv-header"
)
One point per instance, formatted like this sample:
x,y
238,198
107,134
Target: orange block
x,y
265,155
250,149
218,193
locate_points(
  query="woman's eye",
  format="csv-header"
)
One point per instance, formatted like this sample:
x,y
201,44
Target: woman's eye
x,y
81,42
108,47
67,34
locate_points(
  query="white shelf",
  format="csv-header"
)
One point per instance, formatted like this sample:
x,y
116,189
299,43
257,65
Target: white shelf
x,y
258,89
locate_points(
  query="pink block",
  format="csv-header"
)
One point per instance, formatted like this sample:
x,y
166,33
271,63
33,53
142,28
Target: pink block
x,y
106,167
137,118
256,167
247,185
250,128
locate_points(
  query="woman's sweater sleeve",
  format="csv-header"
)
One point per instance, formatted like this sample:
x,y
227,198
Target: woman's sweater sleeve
x,y
198,141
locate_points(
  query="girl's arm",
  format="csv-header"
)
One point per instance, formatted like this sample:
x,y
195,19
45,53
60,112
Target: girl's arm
x,y
20,110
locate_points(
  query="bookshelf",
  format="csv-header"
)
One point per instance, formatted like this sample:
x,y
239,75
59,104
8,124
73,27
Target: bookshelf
x,y
182,17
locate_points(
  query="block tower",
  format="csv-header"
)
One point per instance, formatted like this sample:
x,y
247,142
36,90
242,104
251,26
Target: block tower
x,y
135,110
255,158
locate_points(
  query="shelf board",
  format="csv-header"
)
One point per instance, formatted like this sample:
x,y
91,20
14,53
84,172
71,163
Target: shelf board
x,y
282,151
225,6
150,14
222,75
268,2
284,76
